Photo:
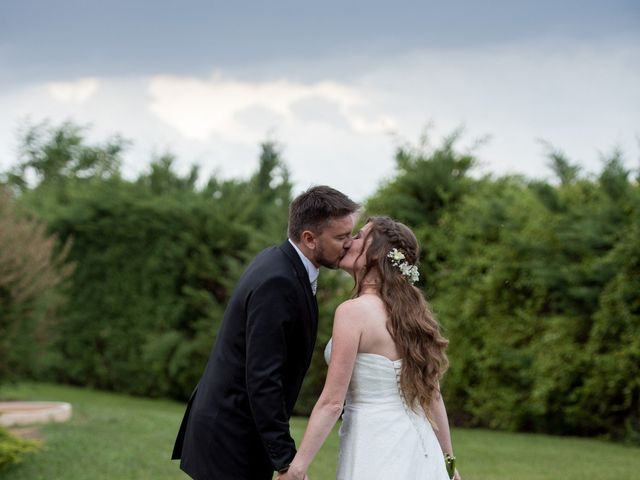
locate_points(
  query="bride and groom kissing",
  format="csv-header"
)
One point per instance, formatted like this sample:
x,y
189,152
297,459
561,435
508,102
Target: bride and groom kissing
x,y
386,358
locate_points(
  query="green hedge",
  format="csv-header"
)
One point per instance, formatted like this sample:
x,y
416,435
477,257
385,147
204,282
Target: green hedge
x,y
536,283
13,450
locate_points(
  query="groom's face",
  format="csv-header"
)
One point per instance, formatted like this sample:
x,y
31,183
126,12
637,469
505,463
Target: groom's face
x,y
334,241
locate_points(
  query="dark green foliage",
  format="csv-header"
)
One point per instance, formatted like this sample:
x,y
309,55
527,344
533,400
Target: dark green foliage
x,y
535,283
428,182
31,266
536,286
153,274
531,293
156,259
611,387
56,155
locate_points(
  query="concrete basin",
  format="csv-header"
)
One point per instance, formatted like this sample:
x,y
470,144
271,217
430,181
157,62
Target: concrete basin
x,y
14,414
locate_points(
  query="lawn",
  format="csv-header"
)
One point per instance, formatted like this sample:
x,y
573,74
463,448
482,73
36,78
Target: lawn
x,y
116,437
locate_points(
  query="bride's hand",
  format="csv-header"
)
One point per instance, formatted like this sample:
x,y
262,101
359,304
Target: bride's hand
x,y
456,475
291,474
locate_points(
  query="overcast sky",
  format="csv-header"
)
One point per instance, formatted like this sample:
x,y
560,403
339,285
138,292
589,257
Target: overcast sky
x,y
337,84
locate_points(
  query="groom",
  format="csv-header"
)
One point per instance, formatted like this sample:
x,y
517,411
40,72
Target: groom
x,y
236,426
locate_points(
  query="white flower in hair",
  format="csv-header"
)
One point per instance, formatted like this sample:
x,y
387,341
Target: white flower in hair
x,y
409,271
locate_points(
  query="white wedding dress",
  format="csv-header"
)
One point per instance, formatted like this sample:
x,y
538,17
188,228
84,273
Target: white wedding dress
x,y
380,436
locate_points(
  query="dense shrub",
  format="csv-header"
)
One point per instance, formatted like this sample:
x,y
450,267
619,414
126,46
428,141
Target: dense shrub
x,y
14,449
156,257
30,268
536,283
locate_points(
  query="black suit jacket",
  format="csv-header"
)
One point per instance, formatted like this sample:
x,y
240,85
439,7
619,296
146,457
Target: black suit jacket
x,y
237,421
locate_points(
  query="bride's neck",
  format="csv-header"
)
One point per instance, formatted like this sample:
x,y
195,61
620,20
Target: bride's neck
x,y
370,285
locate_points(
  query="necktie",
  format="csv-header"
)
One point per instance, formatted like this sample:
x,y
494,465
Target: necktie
x,y
314,285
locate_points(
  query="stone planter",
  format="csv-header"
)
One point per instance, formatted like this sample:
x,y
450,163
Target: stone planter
x,y
13,414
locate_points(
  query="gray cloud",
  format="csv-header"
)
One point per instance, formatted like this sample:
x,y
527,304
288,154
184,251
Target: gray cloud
x,y
61,40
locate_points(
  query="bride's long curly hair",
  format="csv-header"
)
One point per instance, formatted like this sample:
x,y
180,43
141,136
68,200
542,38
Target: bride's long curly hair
x,y
411,322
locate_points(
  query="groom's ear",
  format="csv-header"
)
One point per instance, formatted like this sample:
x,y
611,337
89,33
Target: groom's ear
x,y
308,239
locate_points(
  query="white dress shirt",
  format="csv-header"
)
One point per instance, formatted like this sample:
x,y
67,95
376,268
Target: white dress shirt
x,y
311,269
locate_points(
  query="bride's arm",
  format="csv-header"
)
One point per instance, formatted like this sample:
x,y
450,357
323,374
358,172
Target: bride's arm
x,y
439,415
327,410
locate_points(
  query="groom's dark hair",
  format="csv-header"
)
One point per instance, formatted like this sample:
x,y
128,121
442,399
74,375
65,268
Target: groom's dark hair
x,y
313,209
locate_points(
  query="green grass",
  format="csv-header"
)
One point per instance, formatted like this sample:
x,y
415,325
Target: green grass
x,y
115,437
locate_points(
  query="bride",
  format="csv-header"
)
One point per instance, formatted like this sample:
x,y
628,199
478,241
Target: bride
x,y
385,359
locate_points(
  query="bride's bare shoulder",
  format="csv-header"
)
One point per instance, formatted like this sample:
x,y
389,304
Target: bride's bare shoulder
x,y
364,305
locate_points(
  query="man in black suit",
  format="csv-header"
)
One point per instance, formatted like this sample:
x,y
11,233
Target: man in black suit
x,y
236,426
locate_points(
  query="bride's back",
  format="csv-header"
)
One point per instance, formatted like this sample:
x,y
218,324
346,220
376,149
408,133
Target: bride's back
x,y
375,337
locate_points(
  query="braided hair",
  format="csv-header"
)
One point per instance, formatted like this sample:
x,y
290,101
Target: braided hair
x,y
411,323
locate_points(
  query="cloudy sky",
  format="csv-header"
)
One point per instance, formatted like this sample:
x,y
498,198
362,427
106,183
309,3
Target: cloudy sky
x,y
338,84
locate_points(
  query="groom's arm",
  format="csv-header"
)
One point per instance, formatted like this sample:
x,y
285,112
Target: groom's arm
x,y
270,312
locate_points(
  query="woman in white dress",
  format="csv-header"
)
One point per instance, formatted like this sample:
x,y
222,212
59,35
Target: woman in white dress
x,y
386,359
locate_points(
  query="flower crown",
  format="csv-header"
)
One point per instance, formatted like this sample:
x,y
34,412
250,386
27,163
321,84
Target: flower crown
x,y
409,271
